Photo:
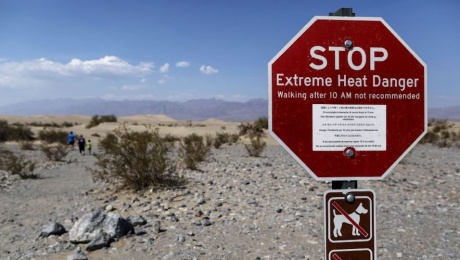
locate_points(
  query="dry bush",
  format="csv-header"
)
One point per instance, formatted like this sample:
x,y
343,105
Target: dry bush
x,y
261,123
251,130
136,160
96,120
220,139
53,135
193,150
256,147
55,152
17,165
441,134
17,132
26,145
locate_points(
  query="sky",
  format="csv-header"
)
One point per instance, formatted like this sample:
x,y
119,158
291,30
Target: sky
x,y
181,50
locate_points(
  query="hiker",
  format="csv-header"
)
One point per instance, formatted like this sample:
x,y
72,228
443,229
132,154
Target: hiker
x,y
71,139
88,145
81,144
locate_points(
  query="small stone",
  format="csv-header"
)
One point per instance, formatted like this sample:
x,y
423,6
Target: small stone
x,y
53,228
109,208
206,222
136,220
77,256
181,239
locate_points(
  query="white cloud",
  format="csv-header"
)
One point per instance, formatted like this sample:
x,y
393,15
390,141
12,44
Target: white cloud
x,y
128,97
208,70
133,87
182,64
25,73
163,80
164,68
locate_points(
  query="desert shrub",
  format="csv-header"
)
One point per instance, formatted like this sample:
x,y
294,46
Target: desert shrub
x,y
55,152
209,140
53,135
16,132
95,135
234,138
171,138
20,133
261,123
135,160
256,147
193,150
26,145
17,165
429,137
220,139
4,130
66,124
96,120
108,119
441,134
250,129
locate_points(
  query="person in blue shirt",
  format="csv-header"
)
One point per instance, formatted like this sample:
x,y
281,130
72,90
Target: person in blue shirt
x,y
71,139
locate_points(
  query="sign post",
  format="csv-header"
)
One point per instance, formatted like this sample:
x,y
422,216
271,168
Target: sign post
x,y
347,99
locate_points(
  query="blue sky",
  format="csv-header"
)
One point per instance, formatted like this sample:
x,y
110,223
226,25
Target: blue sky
x,y
189,49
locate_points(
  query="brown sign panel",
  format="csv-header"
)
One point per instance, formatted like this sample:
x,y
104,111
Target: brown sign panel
x,y
350,226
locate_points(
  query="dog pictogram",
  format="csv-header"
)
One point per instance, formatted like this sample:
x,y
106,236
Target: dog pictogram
x,y
339,219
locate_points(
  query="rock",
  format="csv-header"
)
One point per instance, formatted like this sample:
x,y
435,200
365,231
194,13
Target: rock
x,y
100,241
206,222
77,256
53,228
93,223
136,220
109,208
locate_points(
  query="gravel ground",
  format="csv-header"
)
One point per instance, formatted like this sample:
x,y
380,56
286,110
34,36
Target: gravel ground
x,y
236,207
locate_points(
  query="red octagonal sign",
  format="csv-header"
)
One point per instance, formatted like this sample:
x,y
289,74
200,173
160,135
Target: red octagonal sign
x,y
347,98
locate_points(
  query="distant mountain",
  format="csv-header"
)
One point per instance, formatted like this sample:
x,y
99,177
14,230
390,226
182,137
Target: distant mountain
x,y
200,109
447,113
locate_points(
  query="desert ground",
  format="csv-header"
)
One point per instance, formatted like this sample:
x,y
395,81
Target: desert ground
x,y
234,207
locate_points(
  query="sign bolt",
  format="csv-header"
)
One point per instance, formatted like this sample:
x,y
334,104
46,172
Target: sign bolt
x,y
350,152
350,197
348,44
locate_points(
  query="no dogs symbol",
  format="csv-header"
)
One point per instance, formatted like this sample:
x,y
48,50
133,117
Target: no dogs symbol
x,y
349,226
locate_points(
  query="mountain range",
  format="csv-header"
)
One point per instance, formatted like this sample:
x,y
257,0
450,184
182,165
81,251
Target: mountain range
x,y
199,109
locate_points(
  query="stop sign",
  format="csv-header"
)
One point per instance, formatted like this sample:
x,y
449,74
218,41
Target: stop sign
x,y
347,98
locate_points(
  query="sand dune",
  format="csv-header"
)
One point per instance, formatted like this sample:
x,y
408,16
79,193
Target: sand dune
x,y
165,124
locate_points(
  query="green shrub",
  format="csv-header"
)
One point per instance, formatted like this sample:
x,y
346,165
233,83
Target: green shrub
x,y
55,152
261,123
17,165
193,150
53,135
256,147
135,160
